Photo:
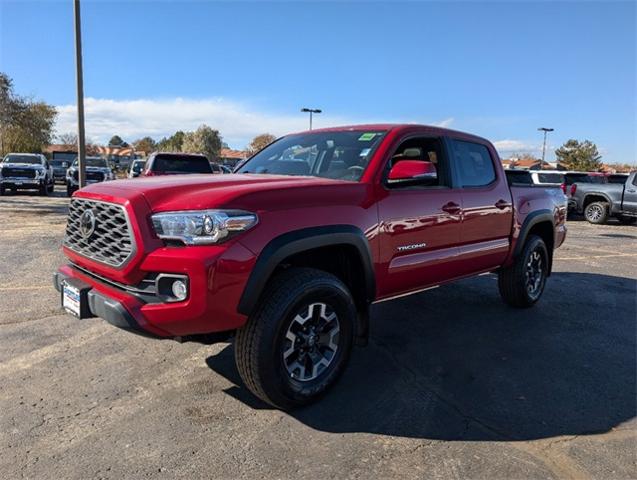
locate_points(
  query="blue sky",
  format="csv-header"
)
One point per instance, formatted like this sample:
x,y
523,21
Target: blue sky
x,y
498,69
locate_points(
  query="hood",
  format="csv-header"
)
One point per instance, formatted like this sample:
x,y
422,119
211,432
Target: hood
x,y
241,191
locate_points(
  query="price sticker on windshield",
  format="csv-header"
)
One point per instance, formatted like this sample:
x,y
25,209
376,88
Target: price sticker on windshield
x,y
366,137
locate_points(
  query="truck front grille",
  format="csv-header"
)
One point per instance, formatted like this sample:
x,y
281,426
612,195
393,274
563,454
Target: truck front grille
x,y
11,172
107,239
90,176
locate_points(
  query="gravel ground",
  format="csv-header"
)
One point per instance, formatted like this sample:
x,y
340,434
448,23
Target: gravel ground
x,y
454,384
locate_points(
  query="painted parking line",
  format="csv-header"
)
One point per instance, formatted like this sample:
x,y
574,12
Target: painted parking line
x,y
32,287
588,257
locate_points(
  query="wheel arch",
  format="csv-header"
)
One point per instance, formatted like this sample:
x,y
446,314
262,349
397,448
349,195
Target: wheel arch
x,y
595,197
313,242
538,223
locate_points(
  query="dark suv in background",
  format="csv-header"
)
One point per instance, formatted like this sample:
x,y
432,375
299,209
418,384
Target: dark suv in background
x,y
97,170
175,163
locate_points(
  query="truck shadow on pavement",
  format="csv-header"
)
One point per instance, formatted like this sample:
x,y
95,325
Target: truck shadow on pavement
x,y
457,364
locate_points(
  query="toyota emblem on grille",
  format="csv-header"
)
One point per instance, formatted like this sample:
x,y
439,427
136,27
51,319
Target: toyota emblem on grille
x,y
87,223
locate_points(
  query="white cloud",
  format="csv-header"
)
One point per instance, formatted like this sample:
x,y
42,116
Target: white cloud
x,y
238,122
508,147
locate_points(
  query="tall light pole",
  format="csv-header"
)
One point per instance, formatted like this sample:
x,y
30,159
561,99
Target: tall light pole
x,y
545,130
311,111
81,143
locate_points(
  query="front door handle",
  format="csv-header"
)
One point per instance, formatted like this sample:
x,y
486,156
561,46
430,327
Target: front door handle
x,y
502,204
451,207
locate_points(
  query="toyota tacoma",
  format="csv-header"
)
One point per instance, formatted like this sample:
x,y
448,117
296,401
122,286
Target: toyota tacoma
x,y
289,252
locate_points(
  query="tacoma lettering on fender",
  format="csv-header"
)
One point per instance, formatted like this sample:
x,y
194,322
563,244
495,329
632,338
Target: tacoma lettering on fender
x,y
290,250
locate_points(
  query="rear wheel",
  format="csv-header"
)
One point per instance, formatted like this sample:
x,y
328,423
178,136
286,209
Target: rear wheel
x,y
298,341
596,212
522,284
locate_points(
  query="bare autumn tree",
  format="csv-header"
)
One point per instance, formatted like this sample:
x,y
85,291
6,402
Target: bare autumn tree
x,y
69,139
260,142
204,140
145,144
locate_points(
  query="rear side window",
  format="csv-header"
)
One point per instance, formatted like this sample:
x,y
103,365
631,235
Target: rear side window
x,y
181,164
474,164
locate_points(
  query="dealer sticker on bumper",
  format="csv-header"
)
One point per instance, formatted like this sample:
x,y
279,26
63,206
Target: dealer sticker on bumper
x,y
71,299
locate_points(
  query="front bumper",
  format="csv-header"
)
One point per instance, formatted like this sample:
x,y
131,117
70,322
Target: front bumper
x,y
101,305
21,182
216,278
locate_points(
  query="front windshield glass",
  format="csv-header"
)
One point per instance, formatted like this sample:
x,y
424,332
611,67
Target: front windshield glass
x,y
341,155
94,162
30,159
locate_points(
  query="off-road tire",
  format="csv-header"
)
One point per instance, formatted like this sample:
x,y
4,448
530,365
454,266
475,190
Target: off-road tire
x,y
512,281
259,343
596,213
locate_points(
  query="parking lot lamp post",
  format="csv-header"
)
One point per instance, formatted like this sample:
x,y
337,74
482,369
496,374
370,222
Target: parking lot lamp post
x,y
311,111
81,144
545,130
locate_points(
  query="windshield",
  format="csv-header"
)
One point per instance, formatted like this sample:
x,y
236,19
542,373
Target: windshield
x,y
94,162
181,164
550,177
30,159
340,155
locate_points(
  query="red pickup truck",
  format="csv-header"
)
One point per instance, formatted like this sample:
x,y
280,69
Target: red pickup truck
x,y
290,251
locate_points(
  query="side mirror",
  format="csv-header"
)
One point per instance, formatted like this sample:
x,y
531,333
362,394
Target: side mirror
x,y
413,172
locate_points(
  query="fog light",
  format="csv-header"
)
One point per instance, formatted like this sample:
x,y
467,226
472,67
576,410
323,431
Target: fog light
x,y
179,289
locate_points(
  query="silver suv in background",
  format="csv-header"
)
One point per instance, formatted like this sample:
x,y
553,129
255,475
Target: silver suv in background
x,y
26,171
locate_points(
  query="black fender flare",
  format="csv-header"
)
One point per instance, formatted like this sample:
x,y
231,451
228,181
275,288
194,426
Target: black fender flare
x,y
297,241
534,218
596,194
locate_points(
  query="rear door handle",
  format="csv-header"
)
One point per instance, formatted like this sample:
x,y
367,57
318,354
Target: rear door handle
x,y
451,207
502,204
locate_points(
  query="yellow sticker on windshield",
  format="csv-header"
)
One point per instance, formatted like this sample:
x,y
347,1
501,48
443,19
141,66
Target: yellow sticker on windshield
x,y
366,137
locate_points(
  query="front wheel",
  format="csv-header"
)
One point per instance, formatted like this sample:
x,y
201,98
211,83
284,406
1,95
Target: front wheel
x,y
69,190
522,284
298,341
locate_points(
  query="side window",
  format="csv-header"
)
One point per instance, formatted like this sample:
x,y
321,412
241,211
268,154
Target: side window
x,y
474,164
423,149
635,180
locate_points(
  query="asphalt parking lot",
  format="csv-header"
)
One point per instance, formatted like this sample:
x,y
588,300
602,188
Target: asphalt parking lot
x,y
454,384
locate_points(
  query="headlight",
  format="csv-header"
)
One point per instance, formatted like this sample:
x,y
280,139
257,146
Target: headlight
x,y
40,174
202,227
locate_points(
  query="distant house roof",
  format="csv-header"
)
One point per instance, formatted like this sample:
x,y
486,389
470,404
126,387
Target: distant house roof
x,y
522,164
233,154
60,148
